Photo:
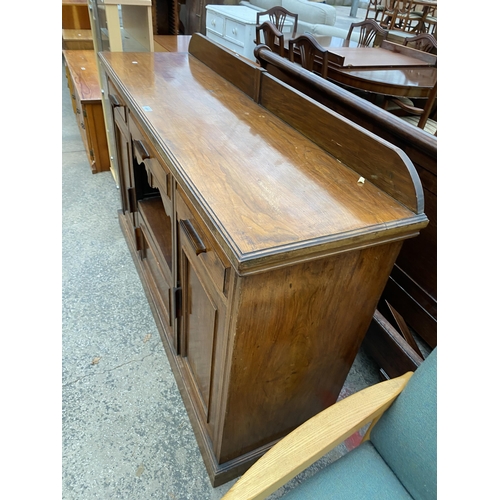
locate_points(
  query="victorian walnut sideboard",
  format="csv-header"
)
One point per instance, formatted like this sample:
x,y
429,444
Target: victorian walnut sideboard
x,y
264,227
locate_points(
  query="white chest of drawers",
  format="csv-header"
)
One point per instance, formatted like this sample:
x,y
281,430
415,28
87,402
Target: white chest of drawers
x,y
233,26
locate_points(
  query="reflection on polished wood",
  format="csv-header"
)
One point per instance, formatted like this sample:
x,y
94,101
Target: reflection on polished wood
x,y
171,43
407,82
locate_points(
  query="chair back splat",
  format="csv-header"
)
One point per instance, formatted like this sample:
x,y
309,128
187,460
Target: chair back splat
x,y
278,15
424,42
368,30
312,54
271,37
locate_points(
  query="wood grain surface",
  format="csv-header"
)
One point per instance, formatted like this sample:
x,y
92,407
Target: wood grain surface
x,y
82,66
266,186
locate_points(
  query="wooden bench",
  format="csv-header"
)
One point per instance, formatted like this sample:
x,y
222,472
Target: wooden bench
x,y
85,89
412,286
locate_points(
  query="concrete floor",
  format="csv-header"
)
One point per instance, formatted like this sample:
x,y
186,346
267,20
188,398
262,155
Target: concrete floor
x,y
125,431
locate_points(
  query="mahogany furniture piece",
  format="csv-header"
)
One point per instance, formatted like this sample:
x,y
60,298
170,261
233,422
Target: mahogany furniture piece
x,y
271,37
196,14
420,117
388,55
412,286
368,30
262,237
424,42
390,70
279,16
309,52
83,83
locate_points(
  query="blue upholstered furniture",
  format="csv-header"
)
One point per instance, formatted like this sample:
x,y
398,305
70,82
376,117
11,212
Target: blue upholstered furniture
x,y
397,459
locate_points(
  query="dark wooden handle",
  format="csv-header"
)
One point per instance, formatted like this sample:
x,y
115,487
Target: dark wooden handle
x,y
194,238
141,151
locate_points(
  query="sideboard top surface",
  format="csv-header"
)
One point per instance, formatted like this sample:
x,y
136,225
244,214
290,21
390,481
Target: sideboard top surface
x,y
266,187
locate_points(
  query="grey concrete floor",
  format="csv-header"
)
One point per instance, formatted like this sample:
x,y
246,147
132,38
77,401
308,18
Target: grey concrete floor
x,y
125,431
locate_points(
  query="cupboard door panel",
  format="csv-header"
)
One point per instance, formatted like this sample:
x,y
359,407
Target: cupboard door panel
x,y
201,330
124,166
200,321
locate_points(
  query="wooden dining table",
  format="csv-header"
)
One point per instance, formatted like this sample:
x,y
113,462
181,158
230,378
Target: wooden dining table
x,y
389,70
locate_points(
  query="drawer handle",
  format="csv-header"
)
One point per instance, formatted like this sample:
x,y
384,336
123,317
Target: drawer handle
x,y
235,31
115,103
141,151
194,238
213,22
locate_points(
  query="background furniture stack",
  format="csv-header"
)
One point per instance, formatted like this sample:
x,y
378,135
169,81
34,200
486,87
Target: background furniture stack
x,y
76,31
404,16
83,82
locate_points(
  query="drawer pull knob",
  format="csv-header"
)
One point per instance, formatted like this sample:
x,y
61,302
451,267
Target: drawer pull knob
x,y
193,236
235,31
141,151
213,22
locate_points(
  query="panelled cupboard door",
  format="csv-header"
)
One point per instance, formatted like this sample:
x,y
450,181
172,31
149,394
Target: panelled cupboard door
x,y
122,138
124,160
201,328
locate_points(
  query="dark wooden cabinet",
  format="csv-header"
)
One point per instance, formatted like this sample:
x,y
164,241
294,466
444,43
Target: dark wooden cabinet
x,y
261,243
196,14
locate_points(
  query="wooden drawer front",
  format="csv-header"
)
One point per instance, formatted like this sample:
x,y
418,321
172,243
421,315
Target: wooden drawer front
x,y
203,244
215,23
116,101
235,32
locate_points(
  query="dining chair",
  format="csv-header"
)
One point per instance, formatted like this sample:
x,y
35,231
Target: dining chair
x,y
424,42
278,15
368,31
389,14
429,21
396,459
376,7
271,37
420,117
406,18
311,53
